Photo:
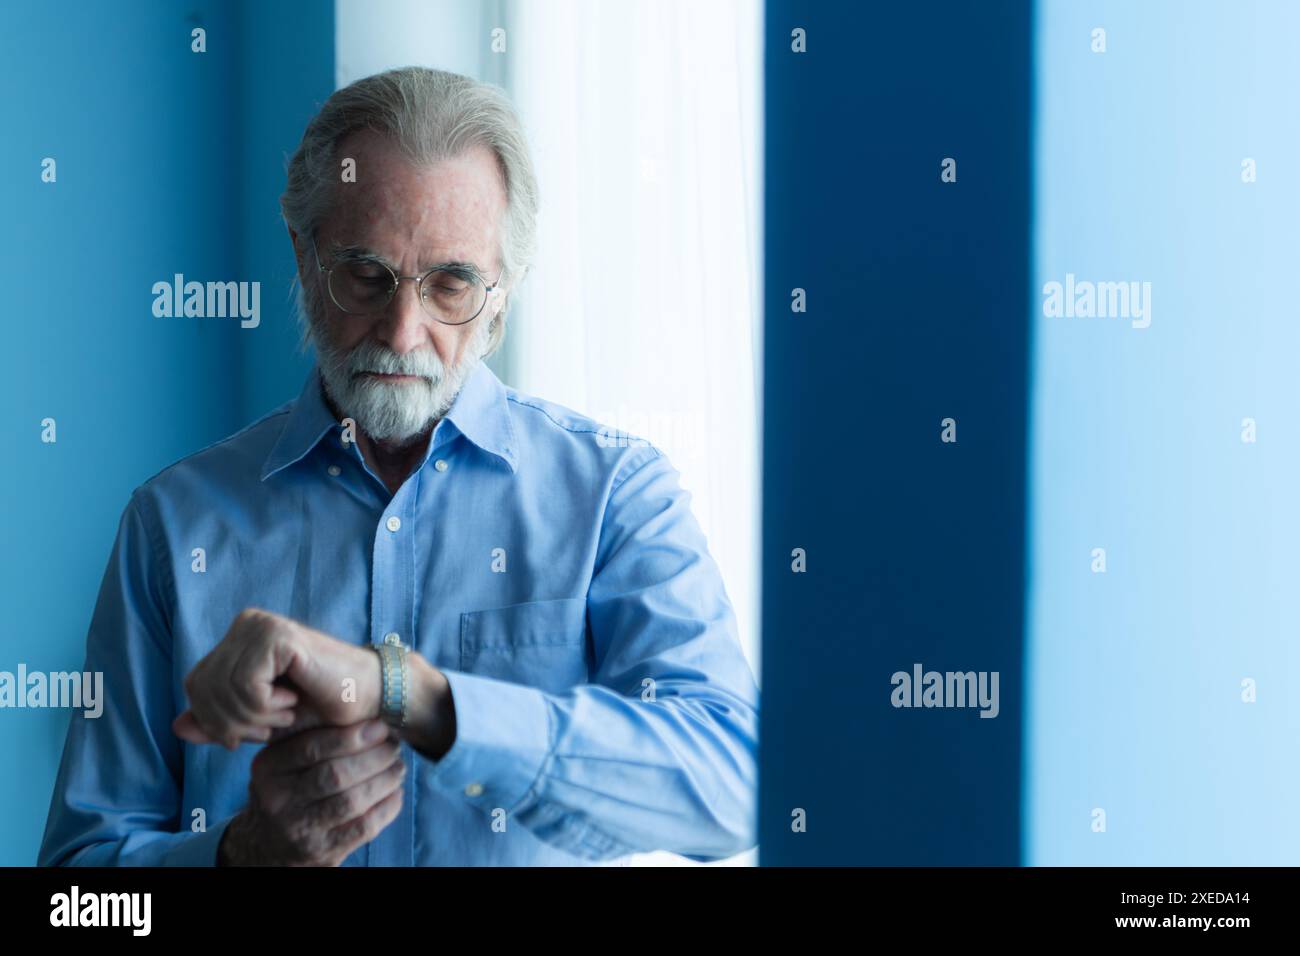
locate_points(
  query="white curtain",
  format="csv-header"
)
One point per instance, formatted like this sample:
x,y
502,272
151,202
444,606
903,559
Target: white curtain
x,y
642,308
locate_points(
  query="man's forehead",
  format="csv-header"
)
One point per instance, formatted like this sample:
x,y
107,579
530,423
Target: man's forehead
x,y
381,166
402,234
447,214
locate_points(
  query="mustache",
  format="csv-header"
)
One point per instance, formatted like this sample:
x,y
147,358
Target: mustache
x,y
424,364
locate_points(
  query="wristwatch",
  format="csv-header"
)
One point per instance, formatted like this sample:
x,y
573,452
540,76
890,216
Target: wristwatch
x,y
396,679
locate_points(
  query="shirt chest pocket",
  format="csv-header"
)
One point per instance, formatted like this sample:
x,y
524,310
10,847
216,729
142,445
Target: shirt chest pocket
x,y
539,643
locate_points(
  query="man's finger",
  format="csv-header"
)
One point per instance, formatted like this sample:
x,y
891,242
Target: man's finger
x,y
341,774
355,801
187,728
283,697
319,744
362,830
256,677
304,718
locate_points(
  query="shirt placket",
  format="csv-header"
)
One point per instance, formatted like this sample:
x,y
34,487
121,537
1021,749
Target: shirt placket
x,y
392,612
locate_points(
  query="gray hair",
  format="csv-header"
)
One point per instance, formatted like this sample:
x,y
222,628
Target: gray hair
x,y
430,115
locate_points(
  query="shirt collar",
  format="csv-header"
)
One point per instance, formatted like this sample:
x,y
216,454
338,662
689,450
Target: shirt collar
x,y
481,412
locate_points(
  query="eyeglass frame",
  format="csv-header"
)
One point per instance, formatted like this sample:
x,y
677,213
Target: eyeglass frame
x,y
397,282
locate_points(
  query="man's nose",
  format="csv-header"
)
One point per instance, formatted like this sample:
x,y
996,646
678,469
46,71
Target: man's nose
x,y
405,323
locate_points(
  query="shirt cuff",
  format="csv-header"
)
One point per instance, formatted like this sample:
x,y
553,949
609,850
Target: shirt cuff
x,y
503,739
197,849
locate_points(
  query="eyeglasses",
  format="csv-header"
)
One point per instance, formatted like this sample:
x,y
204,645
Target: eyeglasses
x,y
365,285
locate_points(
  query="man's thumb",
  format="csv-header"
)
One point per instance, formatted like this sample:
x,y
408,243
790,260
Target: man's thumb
x,y
187,728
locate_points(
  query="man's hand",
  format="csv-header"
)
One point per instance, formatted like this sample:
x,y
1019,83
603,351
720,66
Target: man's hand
x,y
316,796
266,666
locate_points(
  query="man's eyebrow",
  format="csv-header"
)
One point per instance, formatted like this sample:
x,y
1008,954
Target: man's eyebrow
x,y
354,252
365,252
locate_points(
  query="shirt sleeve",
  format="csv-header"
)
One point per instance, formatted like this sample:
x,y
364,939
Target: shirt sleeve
x,y
659,750
117,796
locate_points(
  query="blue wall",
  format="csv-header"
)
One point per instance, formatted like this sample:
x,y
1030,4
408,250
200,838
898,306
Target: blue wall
x,y
160,170
286,71
918,302
1135,674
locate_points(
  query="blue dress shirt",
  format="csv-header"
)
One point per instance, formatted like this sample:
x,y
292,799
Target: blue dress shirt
x,y
554,573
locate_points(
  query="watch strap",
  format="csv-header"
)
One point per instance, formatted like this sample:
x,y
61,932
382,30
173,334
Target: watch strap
x,y
396,681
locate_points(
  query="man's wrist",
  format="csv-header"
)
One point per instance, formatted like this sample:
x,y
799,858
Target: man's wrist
x,y
431,723
371,688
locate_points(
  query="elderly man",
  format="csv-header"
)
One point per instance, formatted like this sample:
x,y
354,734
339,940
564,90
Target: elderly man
x,y
412,617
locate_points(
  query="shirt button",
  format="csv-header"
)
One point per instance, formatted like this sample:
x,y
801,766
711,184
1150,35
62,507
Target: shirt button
x,y
394,523
335,470
441,465
474,790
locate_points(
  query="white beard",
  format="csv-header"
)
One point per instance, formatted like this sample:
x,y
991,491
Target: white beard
x,y
397,412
